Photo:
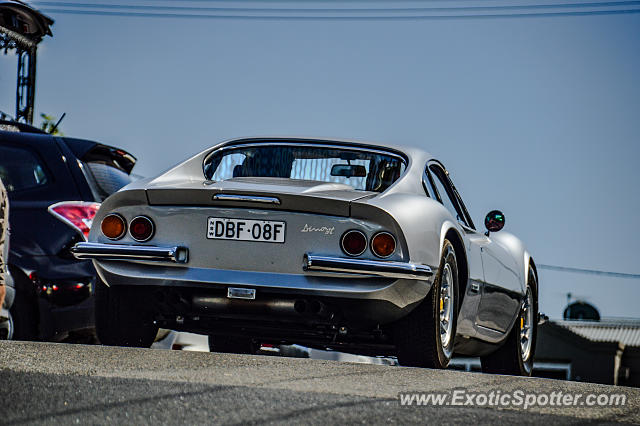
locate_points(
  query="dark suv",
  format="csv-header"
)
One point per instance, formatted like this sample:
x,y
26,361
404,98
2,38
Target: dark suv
x,y
55,187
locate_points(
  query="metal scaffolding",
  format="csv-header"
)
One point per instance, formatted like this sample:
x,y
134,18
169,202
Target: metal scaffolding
x,y
22,28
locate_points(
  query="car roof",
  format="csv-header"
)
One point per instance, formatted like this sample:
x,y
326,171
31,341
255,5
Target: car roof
x,y
407,150
19,127
21,131
80,148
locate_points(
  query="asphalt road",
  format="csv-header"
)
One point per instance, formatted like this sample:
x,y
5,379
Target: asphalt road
x,y
68,384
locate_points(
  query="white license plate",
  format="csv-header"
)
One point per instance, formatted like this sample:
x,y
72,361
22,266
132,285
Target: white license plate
x,y
268,231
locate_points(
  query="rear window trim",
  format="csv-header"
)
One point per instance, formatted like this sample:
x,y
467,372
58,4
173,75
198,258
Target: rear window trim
x,y
347,147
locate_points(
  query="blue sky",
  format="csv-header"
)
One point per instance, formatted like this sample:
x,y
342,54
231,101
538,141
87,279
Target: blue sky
x,y
538,117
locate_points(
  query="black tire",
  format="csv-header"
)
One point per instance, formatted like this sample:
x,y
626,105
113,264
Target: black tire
x,y
232,345
25,312
418,339
122,317
508,358
6,328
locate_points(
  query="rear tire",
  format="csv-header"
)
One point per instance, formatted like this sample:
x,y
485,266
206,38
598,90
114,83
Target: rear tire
x,y
25,312
425,337
232,345
122,317
6,328
515,356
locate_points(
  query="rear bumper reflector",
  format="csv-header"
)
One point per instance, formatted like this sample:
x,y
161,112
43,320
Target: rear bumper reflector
x,y
387,269
86,250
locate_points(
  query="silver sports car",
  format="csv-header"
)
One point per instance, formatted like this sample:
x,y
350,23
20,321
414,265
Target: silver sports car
x,y
326,243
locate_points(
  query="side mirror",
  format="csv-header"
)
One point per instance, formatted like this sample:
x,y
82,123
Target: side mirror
x,y
348,170
494,221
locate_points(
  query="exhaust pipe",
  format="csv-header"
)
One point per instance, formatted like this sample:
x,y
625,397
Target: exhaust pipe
x,y
226,305
292,307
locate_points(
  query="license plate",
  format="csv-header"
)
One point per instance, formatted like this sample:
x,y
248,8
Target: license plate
x,y
268,231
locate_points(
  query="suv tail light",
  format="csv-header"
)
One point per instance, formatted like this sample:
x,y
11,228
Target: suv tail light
x,y
77,214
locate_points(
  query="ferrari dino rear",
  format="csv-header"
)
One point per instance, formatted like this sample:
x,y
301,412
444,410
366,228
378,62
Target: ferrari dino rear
x,y
271,243
330,244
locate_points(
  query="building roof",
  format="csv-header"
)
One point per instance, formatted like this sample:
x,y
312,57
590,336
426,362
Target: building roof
x,y
625,331
23,20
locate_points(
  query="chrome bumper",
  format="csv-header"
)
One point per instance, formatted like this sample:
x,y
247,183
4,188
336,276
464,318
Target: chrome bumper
x,y
129,252
388,269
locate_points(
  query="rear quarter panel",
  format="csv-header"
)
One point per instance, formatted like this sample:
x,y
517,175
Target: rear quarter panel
x,y
517,249
420,222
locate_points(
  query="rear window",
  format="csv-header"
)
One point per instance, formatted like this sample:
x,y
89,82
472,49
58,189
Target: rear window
x,y
366,170
104,180
20,169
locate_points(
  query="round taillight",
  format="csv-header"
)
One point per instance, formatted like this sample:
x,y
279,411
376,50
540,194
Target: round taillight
x,y
383,244
113,226
141,228
354,242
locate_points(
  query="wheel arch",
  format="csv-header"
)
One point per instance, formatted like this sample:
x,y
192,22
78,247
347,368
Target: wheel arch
x,y
530,263
454,237
21,280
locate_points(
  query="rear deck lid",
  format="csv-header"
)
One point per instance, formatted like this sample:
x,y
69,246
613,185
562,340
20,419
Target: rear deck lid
x,y
261,192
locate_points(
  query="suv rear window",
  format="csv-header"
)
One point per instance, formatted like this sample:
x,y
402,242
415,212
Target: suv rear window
x,y
20,169
104,180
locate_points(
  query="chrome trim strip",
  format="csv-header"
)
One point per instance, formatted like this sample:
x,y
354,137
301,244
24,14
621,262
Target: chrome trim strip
x,y
86,250
247,198
387,269
493,330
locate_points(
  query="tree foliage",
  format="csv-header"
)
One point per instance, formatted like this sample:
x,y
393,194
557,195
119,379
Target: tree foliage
x,y
48,124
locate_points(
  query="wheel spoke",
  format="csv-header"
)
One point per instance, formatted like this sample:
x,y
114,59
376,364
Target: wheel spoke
x,y
446,301
526,328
